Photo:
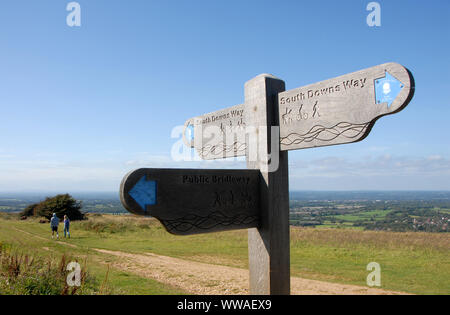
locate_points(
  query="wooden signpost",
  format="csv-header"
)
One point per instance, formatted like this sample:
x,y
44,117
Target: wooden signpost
x,y
271,122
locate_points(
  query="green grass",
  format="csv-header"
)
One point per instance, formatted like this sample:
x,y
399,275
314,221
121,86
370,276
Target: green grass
x,y
410,262
46,248
366,215
346,221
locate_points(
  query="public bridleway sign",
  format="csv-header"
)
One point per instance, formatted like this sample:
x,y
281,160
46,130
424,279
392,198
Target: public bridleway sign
x,y
269,123
194,201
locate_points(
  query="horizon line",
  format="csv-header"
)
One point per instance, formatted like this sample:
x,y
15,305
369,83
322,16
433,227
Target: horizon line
x,y
290,190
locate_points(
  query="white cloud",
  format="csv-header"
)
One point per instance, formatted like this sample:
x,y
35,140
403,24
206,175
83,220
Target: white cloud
x,y
40,174
326,173
380,172
435,158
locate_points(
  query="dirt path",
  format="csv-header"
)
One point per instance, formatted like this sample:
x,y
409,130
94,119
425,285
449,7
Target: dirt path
x,y
201,278
60,241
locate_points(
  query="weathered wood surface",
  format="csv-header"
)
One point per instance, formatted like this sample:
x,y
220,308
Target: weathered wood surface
x,y
219,134
331,112
188,201
268,245
343,109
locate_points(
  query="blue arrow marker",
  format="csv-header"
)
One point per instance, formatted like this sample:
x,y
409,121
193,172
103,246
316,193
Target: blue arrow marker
x,y
144,193
387,89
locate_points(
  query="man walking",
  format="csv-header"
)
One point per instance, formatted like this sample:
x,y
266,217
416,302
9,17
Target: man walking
x,y
54,222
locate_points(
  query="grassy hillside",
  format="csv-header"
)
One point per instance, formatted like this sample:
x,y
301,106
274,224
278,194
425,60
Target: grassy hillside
x,y
20,238
410,262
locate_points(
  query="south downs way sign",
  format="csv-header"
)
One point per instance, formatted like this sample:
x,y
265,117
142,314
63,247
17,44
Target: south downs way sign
x,y
334,111
343,109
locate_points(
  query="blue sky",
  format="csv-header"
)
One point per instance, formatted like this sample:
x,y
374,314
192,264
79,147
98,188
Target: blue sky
x,y
82,106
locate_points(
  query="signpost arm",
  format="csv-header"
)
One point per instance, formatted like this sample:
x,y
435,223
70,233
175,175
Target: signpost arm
x,y
269,251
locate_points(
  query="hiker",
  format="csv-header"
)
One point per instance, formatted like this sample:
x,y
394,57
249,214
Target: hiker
x,y
54,222
66,226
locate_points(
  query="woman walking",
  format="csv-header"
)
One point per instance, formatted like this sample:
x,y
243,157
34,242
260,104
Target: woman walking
x,y
66,226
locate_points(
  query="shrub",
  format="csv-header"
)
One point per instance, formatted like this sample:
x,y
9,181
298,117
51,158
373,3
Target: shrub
x,y
60,204
29,210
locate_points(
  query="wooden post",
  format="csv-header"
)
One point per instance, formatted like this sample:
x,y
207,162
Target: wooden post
x,y
269,251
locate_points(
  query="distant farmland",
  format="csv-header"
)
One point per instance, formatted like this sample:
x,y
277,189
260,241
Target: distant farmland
x,y
391,211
